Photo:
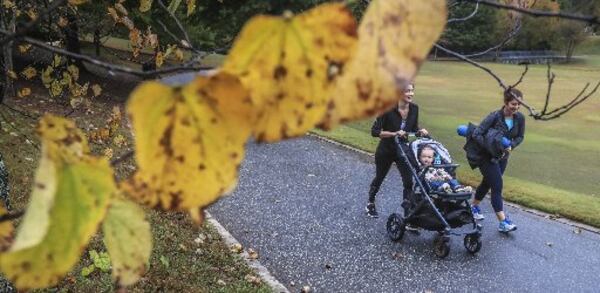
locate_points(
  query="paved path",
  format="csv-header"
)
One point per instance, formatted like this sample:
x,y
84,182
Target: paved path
x,y
300,204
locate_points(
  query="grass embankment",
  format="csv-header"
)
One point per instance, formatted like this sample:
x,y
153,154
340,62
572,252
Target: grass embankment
x,y
184,258
554,170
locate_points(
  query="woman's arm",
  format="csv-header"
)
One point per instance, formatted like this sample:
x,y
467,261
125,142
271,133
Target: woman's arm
x,y
484,126
521,134
377,129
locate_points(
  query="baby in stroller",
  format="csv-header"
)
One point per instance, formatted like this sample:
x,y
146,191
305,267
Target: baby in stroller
x,y
437,203
438,178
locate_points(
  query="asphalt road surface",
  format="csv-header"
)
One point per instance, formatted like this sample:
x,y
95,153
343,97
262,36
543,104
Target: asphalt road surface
x,y
300,204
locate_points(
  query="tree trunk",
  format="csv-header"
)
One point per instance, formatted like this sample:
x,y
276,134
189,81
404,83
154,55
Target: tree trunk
x,y
570,50
72,38
97,42
7,21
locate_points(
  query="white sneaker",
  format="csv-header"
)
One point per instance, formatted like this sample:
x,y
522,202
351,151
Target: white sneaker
x,y
477,215
506,226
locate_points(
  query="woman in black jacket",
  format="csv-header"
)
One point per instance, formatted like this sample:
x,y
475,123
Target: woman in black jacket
x,y
397,122
510,123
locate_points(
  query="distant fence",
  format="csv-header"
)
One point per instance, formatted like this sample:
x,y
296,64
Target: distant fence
x,y
518,57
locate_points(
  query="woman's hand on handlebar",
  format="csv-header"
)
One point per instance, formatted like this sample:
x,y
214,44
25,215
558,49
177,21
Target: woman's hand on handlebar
x,y
423,132
401,133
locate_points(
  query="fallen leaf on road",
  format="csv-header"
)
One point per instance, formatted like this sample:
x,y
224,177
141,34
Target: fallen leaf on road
x,y
549,244
252,254
328,266
236,248
305,289
577,231
252,279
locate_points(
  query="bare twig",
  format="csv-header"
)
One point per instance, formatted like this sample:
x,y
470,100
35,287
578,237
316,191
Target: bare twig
x,y
188,44
466,17
551,77
522,76
591,19
513,33
567,107
114,67
466,59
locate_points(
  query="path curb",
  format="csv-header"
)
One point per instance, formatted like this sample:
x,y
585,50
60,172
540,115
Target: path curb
x,y
538,213
254,264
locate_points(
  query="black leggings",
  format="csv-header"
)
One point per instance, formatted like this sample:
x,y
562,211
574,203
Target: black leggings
x,y
383,163
492,179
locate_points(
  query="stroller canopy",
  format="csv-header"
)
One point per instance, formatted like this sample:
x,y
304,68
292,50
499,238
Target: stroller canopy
x,y
439,148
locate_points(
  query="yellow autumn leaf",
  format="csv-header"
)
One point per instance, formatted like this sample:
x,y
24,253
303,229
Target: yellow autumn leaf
x,y
119,140
29,72
290,81
24,48
191,6
6,231
74,71
135,38
56,88
151,40
24,92
395,37
126,223
32,13
169,50
108,153
191,154
178,54
69,200
77,2
67,79
160,59
12,74
8,4
96,90
56,61
47,76
145,5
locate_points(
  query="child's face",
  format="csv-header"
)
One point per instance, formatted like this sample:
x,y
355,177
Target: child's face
x,y
426,157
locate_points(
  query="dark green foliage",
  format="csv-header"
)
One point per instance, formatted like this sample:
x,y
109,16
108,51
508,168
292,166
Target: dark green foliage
x,y
478,33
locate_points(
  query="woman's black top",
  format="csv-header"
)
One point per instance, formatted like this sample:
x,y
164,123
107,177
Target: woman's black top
x,y
392,121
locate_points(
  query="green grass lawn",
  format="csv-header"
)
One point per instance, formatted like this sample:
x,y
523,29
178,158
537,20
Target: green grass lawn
x,y
555,169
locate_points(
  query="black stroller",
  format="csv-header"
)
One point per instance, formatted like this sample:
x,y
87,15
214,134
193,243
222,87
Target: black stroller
x,y
434,210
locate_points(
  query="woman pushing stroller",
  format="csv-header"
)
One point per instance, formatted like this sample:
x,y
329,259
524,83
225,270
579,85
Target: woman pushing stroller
x,y
397,122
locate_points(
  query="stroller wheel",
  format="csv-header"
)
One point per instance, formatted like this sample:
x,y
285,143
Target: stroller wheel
x,y
441,246
472,243
395,227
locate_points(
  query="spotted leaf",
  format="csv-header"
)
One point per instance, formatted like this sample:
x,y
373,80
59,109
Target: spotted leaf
x,y
395,37
6,231
290,64
69,200
190,155
125,223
